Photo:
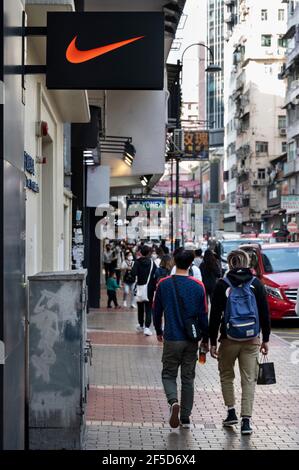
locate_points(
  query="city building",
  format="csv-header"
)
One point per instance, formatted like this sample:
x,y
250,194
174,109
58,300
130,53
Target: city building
x,y
290,74
255,121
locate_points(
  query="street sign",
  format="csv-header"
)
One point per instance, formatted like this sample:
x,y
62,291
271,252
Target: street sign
x,y
105,50
292,227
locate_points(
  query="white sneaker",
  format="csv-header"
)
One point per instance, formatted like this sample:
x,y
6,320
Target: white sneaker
x,y
139,329
133,306
147,332
125,303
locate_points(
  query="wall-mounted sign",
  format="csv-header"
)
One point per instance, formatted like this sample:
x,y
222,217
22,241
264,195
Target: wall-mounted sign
x,y
196,145
290,203
29,167
110,50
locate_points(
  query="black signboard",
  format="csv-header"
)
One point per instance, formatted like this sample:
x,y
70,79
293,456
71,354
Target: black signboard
x,y
112,51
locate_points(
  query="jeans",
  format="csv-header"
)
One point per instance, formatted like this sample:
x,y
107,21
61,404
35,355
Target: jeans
x,y
247,355
180,354
129,289
144,307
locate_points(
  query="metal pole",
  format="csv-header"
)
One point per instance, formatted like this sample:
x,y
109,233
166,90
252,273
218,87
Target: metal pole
x,y
177,196
171,205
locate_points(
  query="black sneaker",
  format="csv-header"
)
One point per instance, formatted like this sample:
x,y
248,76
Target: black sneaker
x,y
231,418
185,423
246,429
174,411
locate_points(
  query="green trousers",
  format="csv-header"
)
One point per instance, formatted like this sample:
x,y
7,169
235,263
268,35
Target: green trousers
x,y
247,356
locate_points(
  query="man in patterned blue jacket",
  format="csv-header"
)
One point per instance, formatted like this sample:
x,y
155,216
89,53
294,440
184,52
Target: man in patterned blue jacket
x,y
178,350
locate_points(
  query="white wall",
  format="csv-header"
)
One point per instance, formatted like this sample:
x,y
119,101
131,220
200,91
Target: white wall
x,y
140,115
44,251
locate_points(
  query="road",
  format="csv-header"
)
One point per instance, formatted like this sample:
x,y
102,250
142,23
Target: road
x,y
287,330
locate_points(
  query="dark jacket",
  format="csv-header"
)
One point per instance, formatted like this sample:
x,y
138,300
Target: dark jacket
x,y
141,270
237,277
166,304
210,276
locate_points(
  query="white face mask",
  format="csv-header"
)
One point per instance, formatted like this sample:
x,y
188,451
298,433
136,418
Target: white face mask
x,y
154,256
130,258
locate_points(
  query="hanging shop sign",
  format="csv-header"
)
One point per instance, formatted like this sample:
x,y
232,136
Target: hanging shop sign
x,y
105,50
196,145
144,206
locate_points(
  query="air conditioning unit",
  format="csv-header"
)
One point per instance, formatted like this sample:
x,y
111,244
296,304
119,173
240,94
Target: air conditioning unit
x,y
282,131
178,140
255,183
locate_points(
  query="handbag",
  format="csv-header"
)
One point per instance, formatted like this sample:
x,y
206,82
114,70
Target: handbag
x,y
142,290
190,324
266,374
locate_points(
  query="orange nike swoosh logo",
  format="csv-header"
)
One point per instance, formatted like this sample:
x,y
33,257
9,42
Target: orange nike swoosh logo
x,y
75,56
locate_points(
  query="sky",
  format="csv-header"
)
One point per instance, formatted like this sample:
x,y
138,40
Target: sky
x,y
195,30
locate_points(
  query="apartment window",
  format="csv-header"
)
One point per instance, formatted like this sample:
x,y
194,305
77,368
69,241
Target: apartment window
x,y
264,15
261,147
280,15
266,40
282,122
261,174
283,147
282,42
292,151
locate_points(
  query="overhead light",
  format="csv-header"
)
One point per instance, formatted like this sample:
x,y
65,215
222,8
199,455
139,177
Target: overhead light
x,y
128,160
144,180
130,150
172,8
213,68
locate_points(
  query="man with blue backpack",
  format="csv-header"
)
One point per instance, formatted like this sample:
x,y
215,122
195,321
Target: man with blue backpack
x,y
240,309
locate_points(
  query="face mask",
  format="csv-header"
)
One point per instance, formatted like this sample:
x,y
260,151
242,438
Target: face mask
x,y
155,256
130,258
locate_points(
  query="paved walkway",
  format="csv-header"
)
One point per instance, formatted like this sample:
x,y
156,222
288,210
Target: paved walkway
x,y
127,408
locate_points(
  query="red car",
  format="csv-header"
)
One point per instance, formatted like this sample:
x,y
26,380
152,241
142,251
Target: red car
x,y
277,266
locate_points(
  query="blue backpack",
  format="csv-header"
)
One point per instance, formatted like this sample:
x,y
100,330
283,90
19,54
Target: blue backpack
x,y
241,315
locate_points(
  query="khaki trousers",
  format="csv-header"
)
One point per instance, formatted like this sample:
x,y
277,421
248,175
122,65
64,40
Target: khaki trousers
x,y
247,355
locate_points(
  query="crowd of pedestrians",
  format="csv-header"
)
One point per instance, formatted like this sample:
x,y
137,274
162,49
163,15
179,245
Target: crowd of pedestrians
x,y
194,307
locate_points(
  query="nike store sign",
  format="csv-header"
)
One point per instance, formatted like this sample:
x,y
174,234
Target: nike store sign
x,y
105,51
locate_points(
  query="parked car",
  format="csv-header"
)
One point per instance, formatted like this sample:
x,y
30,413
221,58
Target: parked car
x,y
224,247
277,266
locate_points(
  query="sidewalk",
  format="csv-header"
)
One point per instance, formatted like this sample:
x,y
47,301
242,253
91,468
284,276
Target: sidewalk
x,y
127,408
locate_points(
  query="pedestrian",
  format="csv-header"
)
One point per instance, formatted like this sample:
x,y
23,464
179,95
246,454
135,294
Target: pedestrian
x,y
144,269
193,270
240,310
198,258
210,272
107,258
118,258
157,256
164,247
128,279
112,287
165,267
178,298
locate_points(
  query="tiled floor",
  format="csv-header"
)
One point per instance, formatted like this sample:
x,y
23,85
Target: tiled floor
x,y
127,408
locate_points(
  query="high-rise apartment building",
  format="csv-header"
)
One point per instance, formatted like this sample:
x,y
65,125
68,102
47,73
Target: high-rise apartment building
x,y
255,121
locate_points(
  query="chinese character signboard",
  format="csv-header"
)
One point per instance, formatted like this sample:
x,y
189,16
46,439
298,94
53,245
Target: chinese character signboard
x,y
290,203
196,145
105,50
